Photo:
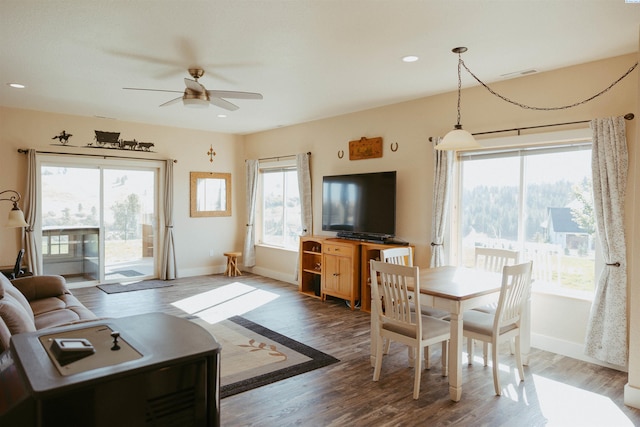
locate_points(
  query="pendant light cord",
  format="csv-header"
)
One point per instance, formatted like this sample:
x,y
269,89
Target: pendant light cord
x,y
504,98
460,63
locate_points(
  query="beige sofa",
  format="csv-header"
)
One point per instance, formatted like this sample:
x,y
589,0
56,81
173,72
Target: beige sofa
x,y
32,303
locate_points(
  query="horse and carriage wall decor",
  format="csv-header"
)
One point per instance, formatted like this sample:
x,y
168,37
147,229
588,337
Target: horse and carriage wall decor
x,y
109,140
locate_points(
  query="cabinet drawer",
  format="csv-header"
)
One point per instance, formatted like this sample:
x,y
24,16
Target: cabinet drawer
x,y
334,249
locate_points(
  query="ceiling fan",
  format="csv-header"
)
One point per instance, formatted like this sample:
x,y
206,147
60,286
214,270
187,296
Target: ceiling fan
x,y
196,95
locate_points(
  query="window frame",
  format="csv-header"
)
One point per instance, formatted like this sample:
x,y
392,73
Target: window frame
x,y
271,166
547,142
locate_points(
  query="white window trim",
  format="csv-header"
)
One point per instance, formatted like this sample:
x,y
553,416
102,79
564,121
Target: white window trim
x,y
273,165
551,139
71,160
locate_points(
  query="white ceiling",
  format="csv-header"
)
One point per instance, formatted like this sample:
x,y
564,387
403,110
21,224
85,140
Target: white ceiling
x,y
310,59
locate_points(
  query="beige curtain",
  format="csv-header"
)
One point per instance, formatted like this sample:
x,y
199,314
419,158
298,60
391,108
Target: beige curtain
x,y
303,169
442,165
249,254
169,269
607,329
33,249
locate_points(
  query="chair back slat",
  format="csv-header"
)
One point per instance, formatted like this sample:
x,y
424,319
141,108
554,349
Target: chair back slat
x,y
491,259
516,286
401,256
395,288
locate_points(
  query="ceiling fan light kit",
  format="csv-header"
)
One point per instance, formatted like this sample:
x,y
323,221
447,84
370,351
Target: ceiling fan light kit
x,y
195,100
197,96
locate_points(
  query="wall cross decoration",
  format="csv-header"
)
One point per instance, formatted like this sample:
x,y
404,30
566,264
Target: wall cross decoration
x,y
211,153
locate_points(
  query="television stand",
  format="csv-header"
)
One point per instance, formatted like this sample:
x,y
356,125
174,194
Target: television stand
x,y
339,267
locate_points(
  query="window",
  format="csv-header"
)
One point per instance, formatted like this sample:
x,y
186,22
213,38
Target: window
x,y
55,245
279,212
97,217
536,200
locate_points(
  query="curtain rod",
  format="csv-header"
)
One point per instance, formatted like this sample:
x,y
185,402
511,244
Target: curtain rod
x,y
281,157
629,116
104,156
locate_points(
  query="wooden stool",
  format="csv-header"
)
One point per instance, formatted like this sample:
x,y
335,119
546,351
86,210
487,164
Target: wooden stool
x,y
232,264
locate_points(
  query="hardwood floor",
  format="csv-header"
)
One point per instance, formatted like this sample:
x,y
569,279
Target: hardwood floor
x,y
557,391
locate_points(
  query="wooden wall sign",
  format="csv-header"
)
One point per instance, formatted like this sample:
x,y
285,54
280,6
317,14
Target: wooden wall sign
x,y
365,148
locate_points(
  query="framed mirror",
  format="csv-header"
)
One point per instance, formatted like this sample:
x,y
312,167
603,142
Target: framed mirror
x,y
210,194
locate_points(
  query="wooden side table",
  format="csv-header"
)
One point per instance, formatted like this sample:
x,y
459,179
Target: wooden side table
x,y
232,264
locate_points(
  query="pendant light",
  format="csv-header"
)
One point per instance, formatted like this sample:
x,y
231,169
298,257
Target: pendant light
x,y
458,138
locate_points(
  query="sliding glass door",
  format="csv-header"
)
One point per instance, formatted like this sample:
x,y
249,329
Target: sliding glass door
x,y
128,220
99,221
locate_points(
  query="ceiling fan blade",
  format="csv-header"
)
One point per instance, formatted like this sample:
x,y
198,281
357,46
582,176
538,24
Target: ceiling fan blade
x,y
173,101
152,90
233,94
219,102
194,85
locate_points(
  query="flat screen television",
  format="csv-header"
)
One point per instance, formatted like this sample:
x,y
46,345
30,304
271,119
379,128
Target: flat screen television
x,y
360,206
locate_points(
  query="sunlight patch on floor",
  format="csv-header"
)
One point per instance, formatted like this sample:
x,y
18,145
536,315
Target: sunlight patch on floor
x,y
565,405
227,301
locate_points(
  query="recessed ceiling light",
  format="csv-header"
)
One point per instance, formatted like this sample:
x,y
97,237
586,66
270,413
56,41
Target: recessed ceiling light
x,y
222,116
16,85
410,58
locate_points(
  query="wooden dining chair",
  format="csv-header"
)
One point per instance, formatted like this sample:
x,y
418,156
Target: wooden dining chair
x,y
400,255
504,324
404,256
493,260
399,287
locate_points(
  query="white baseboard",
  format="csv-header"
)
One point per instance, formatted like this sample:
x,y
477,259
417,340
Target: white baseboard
x,y
632,396
220,269
201,271
277,275
569,349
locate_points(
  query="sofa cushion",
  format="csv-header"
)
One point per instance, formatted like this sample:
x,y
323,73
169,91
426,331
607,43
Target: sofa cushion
x,y
7,289
15,316
59,311
38,287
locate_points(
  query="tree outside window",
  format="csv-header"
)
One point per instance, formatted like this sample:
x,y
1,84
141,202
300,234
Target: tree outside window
x,y
537,202
280,211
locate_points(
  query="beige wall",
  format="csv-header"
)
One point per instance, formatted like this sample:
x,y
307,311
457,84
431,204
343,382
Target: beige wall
x,y
194,237
409,124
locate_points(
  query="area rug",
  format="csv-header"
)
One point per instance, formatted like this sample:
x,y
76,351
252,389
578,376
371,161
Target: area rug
x,y
125,273
254,356
115,288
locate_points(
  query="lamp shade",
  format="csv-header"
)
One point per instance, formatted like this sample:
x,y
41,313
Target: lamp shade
x,y
458,139
16,219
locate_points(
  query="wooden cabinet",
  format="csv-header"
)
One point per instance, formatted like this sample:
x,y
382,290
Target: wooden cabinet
x,y
329,266
310,269
341,270
338,268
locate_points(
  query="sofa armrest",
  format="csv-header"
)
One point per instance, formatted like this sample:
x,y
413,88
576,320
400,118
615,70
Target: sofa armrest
x,y
38,287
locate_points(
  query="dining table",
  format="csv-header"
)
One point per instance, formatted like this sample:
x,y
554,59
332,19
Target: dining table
x,y
457,289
